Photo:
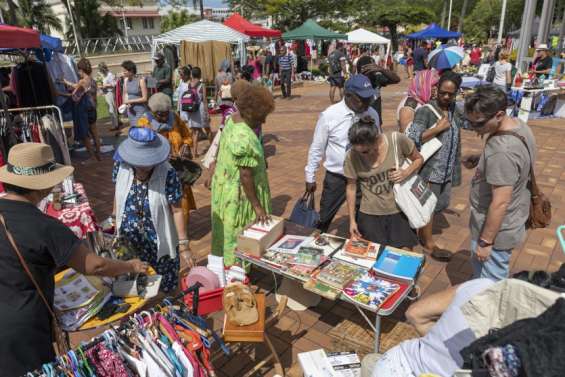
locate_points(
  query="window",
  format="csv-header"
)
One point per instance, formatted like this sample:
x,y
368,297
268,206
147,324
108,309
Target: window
x,y
129,23
148,23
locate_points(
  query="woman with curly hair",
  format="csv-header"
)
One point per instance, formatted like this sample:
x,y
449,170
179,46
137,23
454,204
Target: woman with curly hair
x,y
240,186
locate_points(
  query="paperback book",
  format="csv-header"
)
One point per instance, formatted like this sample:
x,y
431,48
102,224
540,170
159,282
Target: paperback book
x,y
370,292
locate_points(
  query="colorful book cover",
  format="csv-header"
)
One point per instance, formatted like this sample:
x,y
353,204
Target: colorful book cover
x,y
370,292
289,244
338,274
358,247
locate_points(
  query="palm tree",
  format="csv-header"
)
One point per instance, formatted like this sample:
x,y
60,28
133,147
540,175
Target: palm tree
x,y
37,14
11,7
176,19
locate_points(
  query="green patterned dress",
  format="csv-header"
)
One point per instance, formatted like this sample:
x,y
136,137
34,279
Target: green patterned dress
x,y
231,210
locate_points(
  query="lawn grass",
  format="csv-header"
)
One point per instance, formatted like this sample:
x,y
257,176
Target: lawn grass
x,y
101,108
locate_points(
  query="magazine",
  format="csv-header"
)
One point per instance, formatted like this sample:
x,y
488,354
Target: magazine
x,y
370,292
358,248
73,291
338,274
289,244
328,243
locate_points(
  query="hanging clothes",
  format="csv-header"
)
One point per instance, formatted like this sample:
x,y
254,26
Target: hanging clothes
x,y
33,85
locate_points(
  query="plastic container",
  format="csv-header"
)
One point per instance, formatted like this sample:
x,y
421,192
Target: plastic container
x,y
209,302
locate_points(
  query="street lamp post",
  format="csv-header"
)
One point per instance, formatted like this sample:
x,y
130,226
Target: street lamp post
x,y
449,17
501,26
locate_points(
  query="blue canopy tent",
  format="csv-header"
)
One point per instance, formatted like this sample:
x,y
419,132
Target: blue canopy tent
x,y
48,44
434,31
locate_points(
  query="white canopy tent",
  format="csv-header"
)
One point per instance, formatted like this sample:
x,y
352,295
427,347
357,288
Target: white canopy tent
x,y
202,31
362,36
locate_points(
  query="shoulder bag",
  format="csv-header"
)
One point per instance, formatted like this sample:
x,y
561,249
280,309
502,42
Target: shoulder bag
x,y
304,212
59,336
540,206
430,147
413,196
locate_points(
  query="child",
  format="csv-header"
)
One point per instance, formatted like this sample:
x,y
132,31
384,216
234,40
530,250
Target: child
x,y
225,90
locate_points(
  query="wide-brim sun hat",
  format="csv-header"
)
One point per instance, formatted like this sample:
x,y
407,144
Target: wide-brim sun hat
x,y
144,148
32,166
541,47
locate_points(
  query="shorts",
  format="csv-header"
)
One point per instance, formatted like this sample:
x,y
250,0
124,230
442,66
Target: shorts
x,y
392,230
92,115
442,191
336,81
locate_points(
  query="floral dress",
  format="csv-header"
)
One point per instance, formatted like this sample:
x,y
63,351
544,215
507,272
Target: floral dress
x,y
231,210
137,227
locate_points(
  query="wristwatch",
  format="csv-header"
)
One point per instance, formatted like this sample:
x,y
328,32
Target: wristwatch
x,y
183,242
483,243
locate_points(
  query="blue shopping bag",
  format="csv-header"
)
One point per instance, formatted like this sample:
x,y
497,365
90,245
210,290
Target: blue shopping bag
x,y
304,212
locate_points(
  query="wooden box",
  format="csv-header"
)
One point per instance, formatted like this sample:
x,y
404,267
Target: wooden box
x,y
251,333
257,247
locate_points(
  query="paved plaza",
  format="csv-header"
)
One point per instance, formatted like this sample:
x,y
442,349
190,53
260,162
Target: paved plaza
x,y
288,133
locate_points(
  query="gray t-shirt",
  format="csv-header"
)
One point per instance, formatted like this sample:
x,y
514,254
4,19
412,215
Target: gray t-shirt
x,y
504,162
438,351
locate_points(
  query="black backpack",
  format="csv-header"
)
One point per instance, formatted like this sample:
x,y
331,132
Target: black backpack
x,y
491,74
335,64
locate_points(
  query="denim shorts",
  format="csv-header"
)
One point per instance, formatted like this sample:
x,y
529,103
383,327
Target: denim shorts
x,y
495,268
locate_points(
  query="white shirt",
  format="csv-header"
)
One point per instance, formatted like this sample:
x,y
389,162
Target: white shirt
x,y
109,79
500,70
331,139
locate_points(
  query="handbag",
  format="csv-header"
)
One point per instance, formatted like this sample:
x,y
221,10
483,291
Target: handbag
x,y
413,195
540,206
60,338
187,170
304,212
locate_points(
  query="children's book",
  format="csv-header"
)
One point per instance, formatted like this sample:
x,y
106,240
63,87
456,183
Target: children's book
x,y
370,292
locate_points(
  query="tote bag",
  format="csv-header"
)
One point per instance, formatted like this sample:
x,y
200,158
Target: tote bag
x,y
304,212
413,196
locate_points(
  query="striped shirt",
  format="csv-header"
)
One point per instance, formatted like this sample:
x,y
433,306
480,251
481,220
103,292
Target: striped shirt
x,y
286,62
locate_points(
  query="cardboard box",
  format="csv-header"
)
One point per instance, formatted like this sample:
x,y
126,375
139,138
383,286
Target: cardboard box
x,y
257,247
251,333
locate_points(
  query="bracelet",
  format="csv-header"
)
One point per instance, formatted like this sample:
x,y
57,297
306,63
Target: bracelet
x,y
184,242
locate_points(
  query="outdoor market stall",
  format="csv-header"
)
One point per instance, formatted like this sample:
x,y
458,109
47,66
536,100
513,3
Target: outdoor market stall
x,y
237,22
362,36
202,31
434,31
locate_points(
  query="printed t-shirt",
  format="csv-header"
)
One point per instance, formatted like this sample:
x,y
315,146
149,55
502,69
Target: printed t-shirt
x,y
25,323
377,197
504,162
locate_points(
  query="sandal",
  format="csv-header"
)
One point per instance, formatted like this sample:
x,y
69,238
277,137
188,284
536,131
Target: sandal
x,y
441,255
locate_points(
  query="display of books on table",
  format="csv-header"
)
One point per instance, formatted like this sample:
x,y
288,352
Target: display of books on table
x,y
358,248
338,274
366,261
329,243
370,292
291,263
399,265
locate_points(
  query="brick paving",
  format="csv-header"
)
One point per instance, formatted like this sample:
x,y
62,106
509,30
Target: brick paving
x,y
288,133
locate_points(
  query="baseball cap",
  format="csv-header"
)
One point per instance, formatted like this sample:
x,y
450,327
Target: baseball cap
x,y
360,85
158,56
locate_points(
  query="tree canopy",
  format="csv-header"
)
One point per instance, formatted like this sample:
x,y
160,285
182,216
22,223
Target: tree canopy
x,y
177,19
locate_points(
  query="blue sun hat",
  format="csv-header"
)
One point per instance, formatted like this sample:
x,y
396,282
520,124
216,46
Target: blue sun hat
x,y
144,148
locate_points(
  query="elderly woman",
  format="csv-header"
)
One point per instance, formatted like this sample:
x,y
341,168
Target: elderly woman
x,y
147,204
421,90
240,187
160,118
84,109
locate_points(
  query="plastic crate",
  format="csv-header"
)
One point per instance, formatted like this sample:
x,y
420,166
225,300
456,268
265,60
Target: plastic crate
x,y
208,302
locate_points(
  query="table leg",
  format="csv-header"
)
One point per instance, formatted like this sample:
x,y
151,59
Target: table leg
x,y
377,333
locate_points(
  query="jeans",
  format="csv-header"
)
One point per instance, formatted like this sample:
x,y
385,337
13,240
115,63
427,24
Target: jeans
x,y
333,197
286,84
495,268
109,97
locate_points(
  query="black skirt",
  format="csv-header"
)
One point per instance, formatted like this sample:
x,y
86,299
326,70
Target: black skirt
x,y
390,230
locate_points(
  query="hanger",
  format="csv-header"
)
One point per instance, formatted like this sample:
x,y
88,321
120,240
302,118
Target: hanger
x,y
84,362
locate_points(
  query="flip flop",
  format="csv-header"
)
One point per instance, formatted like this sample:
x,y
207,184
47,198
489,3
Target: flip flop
x,y
441,255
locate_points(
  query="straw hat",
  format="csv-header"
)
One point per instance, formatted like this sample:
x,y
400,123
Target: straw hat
x,y
144,148
542,46
32,166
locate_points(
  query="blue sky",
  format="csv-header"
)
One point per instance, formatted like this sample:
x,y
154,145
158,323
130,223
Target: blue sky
x,y
214,3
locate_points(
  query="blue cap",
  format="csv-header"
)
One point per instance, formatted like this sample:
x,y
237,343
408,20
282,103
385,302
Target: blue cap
x,y
360,85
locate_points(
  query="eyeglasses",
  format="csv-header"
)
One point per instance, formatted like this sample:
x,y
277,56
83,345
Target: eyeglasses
x,y
479,124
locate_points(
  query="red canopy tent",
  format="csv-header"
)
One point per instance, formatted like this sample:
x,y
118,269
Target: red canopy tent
x,y
18,37
237,22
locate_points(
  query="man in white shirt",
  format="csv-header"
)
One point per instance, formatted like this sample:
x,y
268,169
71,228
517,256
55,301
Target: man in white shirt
x,y
331,142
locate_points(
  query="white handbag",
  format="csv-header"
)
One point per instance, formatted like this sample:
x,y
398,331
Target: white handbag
x,y
413,195
433,145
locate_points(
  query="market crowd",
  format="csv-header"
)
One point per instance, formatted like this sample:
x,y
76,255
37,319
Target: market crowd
x,y
154,169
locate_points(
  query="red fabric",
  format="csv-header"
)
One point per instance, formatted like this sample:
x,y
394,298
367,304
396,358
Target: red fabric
x,y
237,22
475,56
78,217
18,37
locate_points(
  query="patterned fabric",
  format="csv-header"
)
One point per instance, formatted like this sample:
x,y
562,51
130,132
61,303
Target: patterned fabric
x,y
502,361
445,165
231,210
78,217
421,85
138,229
107,363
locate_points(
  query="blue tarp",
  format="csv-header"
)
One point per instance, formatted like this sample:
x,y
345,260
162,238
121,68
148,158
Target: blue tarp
x,y
434,31
47,43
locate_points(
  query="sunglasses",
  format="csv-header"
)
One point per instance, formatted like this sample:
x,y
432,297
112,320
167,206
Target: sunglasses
x,y
479,124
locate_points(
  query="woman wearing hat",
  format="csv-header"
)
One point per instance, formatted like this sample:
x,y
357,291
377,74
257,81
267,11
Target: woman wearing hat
x,y
43,244
160,118
543,62
148,212
240,186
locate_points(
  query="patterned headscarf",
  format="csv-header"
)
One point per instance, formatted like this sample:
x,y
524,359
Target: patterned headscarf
x,y
421,86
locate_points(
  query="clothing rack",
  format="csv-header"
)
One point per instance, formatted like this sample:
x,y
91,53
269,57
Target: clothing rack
x,y
54,109
113,336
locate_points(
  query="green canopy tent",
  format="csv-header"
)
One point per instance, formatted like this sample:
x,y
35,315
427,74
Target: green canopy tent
x,y
311,30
